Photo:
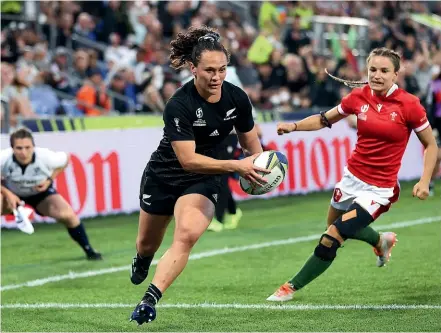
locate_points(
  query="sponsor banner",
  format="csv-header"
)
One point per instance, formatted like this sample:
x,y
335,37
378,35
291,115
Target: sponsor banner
x,y
104,174
316,160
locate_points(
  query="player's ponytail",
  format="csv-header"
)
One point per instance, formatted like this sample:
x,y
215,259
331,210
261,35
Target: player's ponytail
x,y
188,46
381,51
348,83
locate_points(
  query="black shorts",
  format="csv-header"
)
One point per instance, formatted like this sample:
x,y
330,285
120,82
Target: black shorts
x,y
159,199
34,200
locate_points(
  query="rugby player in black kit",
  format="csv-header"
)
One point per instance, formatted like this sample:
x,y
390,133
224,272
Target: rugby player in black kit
x,y
182,178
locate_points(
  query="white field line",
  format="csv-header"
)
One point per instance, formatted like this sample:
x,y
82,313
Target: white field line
x,y
294,307
205,254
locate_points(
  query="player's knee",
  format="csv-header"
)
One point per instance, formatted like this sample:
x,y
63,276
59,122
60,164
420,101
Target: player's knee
x,y
146,247
327,248
67,217
186,238
355,219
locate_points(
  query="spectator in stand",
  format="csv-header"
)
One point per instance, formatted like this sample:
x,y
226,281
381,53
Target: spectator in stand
x,y
93,94
115,19
118,85
168,89
42,97
85,27
410,81
14,91
410,47
59,71
80,69
41,57
324,92
249,77
65,28
296,37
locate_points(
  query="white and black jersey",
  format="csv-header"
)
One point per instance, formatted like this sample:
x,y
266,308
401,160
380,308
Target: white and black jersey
x,y
189,117
21,179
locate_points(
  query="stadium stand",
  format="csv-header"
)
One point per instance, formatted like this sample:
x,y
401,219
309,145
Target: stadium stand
x,y
51,50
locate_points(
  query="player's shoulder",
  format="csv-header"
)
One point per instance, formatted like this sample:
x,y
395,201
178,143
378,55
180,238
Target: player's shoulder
x,y
361,91
43,154
236,94
181,99
6,154
40,151
406,98
234,90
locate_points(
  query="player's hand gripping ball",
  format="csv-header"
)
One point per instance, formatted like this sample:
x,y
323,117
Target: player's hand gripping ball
x,y
271,160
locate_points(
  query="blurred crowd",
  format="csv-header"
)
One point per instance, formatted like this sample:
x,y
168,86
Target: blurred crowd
x,y
104,57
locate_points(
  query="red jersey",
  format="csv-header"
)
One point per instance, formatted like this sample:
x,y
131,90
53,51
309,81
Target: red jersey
x,y
384,125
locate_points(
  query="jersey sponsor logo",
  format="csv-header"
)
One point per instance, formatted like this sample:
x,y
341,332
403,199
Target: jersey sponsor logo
x,y
145,197
337,195
379,106
364,109
177,124
199,121
215,133
229,115
215,197
199,113
393,115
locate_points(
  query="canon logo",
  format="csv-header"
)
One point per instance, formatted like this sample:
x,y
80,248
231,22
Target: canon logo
x,y
97,177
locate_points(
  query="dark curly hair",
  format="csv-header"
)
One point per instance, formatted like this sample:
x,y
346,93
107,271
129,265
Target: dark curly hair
x,y
189,46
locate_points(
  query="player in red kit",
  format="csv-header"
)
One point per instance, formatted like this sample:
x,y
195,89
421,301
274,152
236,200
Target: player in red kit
x,y
386,115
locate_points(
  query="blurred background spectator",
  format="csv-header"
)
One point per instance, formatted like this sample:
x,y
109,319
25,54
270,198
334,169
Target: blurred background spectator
x,y
111,57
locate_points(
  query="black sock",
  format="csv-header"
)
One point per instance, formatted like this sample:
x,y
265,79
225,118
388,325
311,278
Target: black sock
x,y
231,204
78,234
144,261
152,295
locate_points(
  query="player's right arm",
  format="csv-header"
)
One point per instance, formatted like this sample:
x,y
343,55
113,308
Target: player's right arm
x,y
311,123
179,130
12,200
319,121
56,161
197,163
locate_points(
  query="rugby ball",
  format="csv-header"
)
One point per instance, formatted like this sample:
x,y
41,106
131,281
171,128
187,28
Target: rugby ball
x,y
274,161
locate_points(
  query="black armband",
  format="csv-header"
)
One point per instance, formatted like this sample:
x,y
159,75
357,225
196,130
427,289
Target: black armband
x,y
325,120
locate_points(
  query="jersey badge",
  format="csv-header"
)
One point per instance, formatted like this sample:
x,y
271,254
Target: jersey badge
x,y
229,115
199,121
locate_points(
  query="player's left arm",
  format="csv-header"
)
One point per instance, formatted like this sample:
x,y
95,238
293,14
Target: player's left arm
x,y
417,120
421,189
64,162
55,161
249,141
246,130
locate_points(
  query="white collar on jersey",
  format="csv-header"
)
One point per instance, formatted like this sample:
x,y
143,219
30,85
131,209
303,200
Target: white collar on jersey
x,y
390,91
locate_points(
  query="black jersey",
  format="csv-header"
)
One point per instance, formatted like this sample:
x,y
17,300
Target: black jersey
x,y
189,117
